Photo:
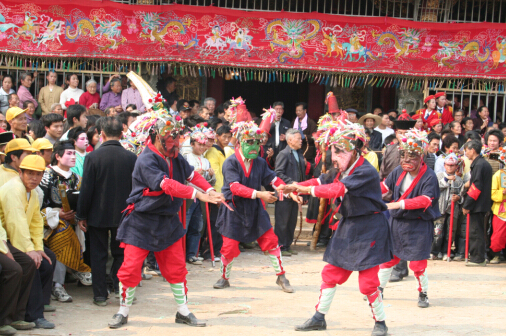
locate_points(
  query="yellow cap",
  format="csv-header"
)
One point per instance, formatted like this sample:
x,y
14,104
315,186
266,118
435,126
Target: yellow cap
x,y
33,162
18,144
42,143
13,112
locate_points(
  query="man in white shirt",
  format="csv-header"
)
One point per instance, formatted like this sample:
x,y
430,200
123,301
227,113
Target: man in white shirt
x,y
277,140
383,127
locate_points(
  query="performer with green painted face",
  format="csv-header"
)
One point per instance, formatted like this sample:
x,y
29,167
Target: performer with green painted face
x,y
244,173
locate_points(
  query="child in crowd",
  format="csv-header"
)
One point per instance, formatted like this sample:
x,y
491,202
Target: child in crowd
x,y
450,186
194,222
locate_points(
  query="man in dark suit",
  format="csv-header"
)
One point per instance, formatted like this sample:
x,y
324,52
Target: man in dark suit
x,y
106,184
307,126
278,129
290,167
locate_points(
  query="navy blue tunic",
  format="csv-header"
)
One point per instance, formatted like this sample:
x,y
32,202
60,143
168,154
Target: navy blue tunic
x,y
413,230
250,220
362,239
154,224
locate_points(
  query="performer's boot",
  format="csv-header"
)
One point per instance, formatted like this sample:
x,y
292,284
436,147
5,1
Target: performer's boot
x,y
126,300
423,287
183,314
317,322
277,263
378,313
225,269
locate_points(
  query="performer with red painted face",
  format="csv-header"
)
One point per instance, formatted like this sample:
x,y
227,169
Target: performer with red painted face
x,y
361,241
151,221
415,191
244,174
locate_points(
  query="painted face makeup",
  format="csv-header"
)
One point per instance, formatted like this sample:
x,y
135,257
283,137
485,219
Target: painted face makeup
x,y
341,158
410,161
170,145
69,158
82,141
250,148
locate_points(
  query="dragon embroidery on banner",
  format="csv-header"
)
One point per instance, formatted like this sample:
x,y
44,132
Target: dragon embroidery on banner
x,y
155,28
98,28
460,51
408,41
34,29
289,35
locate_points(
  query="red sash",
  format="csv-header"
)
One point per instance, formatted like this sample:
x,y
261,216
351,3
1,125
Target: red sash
x,y
422,171
358,164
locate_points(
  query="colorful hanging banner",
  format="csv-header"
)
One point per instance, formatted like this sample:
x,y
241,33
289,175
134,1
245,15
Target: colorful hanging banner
x,y
220,37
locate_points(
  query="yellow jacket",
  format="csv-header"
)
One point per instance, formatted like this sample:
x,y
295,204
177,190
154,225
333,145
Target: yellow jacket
x,y
3,237
497,196
21,218
372,157
216,159
6,174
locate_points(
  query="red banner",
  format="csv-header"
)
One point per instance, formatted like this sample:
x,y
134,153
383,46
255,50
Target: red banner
x,y
269,40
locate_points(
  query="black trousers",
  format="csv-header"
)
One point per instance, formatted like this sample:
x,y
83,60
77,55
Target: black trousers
x,y
40,293
99,253
477,237
285,216
217,238
16,279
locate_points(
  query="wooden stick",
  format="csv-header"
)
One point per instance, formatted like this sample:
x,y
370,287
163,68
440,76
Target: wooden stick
x,y
321,210
448,253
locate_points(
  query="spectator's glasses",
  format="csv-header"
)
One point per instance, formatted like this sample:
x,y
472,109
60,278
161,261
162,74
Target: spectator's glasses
x,y
252,142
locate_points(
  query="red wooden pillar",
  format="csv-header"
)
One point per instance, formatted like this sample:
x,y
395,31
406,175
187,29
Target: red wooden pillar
x,y
316,101
215,88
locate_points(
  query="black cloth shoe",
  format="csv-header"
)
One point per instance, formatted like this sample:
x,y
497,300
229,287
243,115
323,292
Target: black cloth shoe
x,y
380,329
312,324
191,320
395,277
117,321
283,282
221,284
423,300
42,323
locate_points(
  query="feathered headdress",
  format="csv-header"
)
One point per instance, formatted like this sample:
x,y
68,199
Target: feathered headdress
x,y
156,120
201,133
241,112
414,141
246,130
342,133
267,119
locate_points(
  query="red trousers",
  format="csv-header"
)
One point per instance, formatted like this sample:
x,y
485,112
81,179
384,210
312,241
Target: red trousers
x,y
417,266
230,248
171,262
368,281
498,239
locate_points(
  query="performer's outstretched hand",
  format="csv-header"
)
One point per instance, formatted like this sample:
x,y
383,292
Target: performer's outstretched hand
x,y
302,189
208,198
217,194
287,188
394,205
296,198
267,196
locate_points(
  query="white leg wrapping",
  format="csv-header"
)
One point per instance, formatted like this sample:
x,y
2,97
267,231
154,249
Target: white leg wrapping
x,y
325,299
423,282
384,276
376,304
